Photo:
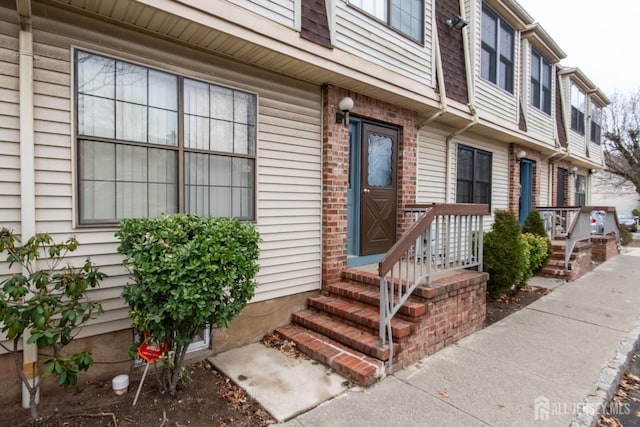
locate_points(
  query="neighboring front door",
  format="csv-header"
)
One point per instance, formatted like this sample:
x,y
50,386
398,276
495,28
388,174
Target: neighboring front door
x,y
562,185
526,190
378,188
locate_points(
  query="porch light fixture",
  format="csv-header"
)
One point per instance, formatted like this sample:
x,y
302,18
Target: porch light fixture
x,y
457,23
345,105
592,171
573,170
520,155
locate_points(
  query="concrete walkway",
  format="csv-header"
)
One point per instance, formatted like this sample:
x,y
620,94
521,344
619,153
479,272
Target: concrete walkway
x,y
550,364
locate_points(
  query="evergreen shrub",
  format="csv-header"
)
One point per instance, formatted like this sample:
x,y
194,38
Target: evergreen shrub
x,y
504,253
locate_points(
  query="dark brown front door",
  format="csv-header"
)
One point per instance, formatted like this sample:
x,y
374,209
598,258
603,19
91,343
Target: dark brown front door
x,y
378,192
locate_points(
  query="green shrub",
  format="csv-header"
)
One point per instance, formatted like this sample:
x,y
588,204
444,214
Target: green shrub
x,y
189,272
504,253
537,254
626,236
49,301
636,212
534,224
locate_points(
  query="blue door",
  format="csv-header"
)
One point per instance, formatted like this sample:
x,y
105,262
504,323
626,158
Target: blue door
x,y
526,190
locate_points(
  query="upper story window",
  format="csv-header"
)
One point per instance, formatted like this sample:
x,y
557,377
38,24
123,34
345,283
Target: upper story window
x,y
497,50
540,82
596,123
405,16
151,142
577,109
473,176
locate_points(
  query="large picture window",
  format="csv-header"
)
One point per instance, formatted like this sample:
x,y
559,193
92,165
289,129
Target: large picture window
x,y
496,62
473,176
405,16
151,142
540,82
577,109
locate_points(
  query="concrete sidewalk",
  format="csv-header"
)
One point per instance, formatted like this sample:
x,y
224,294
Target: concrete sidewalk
x,y
550,364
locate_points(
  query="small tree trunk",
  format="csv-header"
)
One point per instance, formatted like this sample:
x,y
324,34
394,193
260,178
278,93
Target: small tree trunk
x,y
177,367
31,388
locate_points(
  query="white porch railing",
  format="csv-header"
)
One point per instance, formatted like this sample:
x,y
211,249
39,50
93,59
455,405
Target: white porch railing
x,y
573,224
441,238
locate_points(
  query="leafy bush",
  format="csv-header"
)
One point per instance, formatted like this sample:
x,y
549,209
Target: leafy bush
x,y
626,236
534,224
636,212
504,253
537,254
48,302
189,272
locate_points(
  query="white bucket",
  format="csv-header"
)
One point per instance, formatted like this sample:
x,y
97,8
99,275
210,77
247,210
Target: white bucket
x,y
120,384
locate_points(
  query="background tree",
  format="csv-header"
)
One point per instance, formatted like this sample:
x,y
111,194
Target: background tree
x,y
621,139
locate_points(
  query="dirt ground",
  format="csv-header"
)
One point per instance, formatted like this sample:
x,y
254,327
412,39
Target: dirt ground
x,y
210,399
503,305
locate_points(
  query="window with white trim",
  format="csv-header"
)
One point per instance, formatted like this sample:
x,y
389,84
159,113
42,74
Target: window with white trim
x,y
496,61
540,82
405,16
473,175
596,123
581,190
152,142
577,109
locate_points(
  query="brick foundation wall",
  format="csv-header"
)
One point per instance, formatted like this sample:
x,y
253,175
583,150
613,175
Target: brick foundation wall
x,y
581,263
456,307
604,248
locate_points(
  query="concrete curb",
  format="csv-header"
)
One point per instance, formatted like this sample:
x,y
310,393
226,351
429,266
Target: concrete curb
x,y
607,384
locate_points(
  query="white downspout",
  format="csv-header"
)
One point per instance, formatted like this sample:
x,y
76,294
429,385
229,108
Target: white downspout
x,y
27,173
439,75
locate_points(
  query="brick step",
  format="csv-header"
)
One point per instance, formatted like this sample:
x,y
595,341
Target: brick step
x,y
358,292
552,272
351,336
359,314
350,363
559,263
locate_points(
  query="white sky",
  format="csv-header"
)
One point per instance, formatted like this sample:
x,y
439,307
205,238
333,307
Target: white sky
x,y
599,37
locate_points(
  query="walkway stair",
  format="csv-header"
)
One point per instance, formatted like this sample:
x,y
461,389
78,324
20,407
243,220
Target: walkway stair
x,y
340,327
578,265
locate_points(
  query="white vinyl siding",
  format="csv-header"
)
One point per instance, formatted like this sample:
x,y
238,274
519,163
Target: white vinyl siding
x,y
280,11
431,167
489,97
9,129
376,43
545,190
289,181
